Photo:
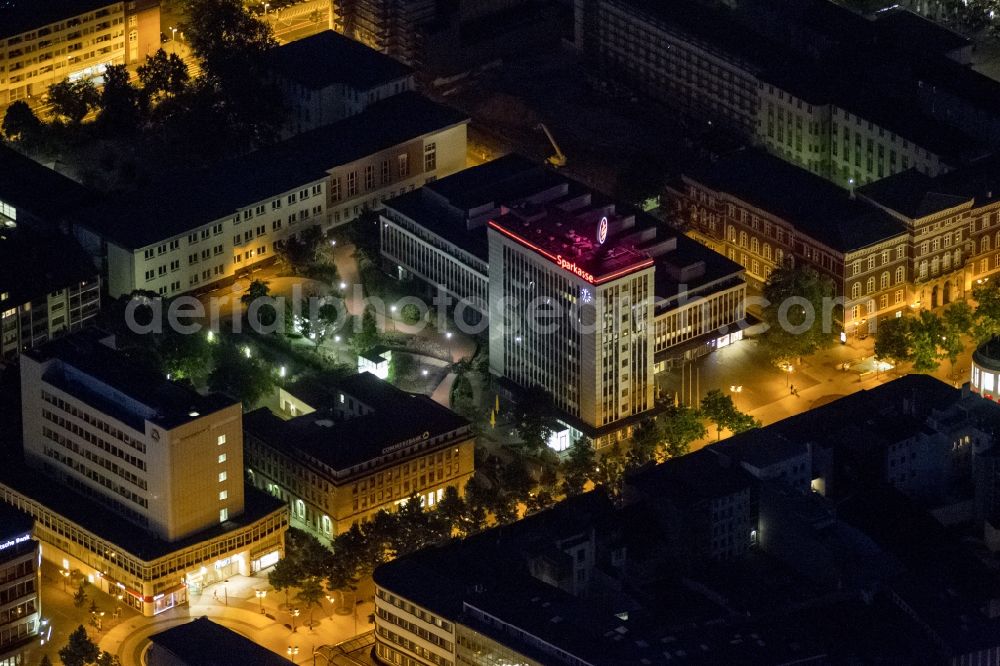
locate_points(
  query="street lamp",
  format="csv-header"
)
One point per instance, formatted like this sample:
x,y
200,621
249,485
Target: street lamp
x,y
65,577
331,601
294,613
736,390
260,598
266,5
292,650
789,369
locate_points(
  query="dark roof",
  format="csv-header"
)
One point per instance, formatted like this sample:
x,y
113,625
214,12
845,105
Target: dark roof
x,y
987,354
444,207
760,448
92,516
26,184
33,265
169,403
184,201
13,522
328,58
813,205
202,642
689,480
905,29
342,444
17,16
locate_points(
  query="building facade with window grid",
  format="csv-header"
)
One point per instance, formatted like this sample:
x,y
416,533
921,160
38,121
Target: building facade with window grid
x,y
44,44
20,587
246,208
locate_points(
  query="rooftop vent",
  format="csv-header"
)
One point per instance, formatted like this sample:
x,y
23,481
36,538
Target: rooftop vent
x,y
324,423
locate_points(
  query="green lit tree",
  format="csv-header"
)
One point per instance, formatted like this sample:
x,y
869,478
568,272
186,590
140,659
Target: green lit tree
x,y
892,340
927,333
72,101
368,337
720,410
79,649
310,593
80,596
795,301
679,427
119,108
578,466
646,439
246,379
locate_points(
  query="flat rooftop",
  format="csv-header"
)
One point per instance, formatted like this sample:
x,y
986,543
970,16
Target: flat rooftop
x,y
26,184
328,58
33,265
204,642
813,205
17,16
100,376
178,203
398,419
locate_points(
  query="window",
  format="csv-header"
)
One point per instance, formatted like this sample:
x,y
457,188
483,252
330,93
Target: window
x,y
221,440
884,281
900,274
222,458
870,286
223,495
385,172
223,515
222,477
334,189
276,204
897,298
856,290
291,198
404,165
369,177
352,184
871,262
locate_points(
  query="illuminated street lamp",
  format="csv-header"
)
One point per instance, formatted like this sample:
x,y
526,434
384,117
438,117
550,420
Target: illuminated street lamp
x,y
65,577
736,390
293,650
294,613
789,369
260,594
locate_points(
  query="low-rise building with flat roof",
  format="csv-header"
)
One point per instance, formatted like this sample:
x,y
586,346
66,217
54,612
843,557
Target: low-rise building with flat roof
x,y
341,452
202,642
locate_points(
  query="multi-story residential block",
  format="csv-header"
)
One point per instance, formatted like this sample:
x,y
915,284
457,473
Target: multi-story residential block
x,y
103,438
510,238
339,454
20,586
201,227
328,77
953,227
723,556
765,213
42,44
394,27
809,81
47,283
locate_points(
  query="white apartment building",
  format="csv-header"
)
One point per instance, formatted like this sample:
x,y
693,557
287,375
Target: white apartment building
x,y
201,228
42,43
328,77
104,438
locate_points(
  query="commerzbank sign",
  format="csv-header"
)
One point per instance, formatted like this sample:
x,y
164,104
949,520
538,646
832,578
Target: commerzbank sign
x,y
10,543
406,442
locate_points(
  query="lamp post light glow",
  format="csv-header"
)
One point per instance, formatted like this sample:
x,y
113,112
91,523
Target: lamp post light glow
x,y
736,390
294,613
65,577
246,352
260,594
293,650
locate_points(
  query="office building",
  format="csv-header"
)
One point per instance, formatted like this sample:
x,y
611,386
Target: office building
x,y
44,43
724,556
341,452
765,213
509,238
20,586
103,438
812,82
328,77
202,641
200,227
394,27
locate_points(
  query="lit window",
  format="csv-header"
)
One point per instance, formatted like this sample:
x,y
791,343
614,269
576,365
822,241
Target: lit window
x,y
222,458
223,515
222,476
221,440
224,494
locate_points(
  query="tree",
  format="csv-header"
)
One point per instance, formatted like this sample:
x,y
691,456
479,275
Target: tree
x,y
452,508
284,575
20,124
108,659
987,314
957,319
611,469
300,251
247,379
73,101
927,332
720,410
163,75
368,337
185,356
310,593
119,101
80,596
79,650
45,661
646,438
794,313
892,340
533,419
578,466
643,177
679,426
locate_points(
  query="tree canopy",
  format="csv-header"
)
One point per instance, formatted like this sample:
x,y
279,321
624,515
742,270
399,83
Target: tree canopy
x,y
794,314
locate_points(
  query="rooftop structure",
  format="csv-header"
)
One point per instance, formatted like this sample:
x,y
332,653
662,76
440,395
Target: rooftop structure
x,y
202,642
335,440
34,195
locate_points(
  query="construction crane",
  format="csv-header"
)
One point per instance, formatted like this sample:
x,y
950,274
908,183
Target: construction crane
x,y
559,159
